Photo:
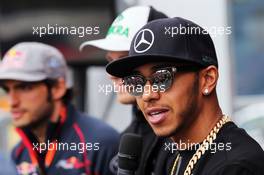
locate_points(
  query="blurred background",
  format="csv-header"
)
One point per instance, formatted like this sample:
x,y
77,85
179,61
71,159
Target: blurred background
x,y
240,53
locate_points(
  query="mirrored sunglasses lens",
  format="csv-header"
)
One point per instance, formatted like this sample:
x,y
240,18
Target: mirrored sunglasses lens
x,y
134,85
162,79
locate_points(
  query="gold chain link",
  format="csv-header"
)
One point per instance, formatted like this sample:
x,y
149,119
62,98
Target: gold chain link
x,y
204,146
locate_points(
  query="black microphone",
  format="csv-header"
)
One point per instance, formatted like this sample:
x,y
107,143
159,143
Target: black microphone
x,y
130,149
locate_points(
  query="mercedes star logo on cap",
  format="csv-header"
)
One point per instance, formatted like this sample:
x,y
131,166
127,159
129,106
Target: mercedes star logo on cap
x,y
143,41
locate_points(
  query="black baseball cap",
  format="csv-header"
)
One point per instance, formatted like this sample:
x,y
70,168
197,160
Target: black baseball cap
x,y
175,40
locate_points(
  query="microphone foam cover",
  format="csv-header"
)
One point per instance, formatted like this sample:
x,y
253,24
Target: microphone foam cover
x,y
130,149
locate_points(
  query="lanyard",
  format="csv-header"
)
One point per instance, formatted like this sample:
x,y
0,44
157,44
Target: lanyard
x,y
51,152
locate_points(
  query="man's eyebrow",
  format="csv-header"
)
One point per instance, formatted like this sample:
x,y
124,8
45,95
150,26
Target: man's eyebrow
x,y
23,84
19,85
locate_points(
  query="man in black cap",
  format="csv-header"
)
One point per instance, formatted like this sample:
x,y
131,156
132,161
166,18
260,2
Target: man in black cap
x,y
117,44
172,69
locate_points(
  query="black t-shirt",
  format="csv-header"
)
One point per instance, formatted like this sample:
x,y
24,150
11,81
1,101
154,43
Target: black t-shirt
x,y
233,152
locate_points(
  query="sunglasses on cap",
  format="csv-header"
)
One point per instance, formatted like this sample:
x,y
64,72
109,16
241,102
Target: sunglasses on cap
x,y
161,80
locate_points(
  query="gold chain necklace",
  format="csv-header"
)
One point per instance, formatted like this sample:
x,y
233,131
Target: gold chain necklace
x,y
175,163
201,150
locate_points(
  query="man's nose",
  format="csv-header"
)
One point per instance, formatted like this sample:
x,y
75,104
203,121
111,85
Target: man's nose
x,y
150,93
13,98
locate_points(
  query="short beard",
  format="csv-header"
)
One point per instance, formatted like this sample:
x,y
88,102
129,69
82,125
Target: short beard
x,y
43,117
191,107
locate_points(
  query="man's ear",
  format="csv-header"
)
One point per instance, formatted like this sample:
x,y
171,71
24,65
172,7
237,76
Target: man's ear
x,y
59,89
209,77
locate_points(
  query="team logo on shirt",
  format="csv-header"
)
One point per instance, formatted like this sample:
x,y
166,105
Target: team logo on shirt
x,y
26,168
70,163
